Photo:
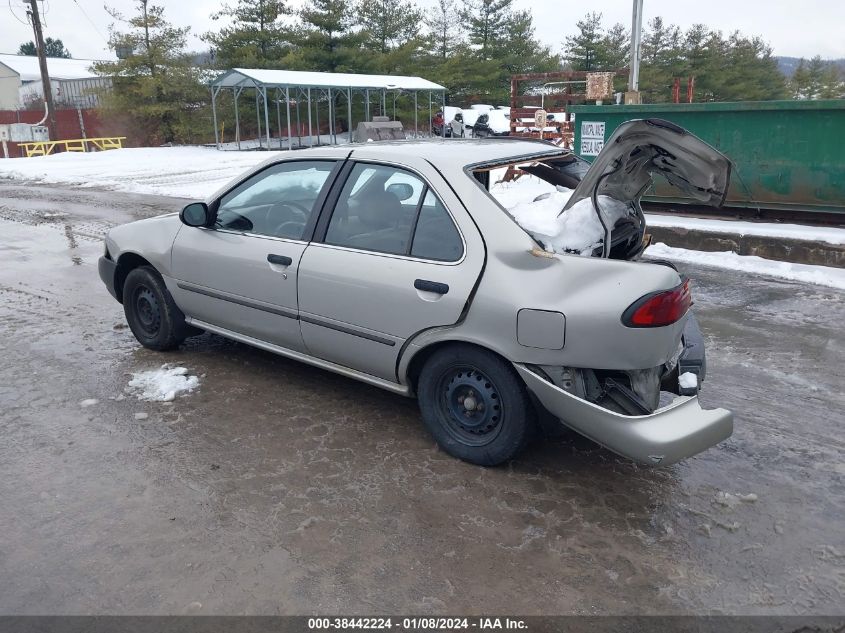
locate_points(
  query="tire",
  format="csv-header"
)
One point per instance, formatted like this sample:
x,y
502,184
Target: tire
x,y
500,419
153,316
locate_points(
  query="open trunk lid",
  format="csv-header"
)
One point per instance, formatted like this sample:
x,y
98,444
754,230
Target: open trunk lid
x,y
639,149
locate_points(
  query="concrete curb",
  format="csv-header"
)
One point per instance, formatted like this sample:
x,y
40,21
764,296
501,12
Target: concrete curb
x,y
778,248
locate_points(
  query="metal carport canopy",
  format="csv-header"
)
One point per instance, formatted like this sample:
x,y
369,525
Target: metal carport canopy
x,y
298,78
302,83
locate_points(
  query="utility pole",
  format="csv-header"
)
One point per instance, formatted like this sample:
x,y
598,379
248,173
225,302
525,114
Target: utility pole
x,y
42,64
633,94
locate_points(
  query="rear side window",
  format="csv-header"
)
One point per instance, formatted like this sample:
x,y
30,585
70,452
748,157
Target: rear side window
x,y
390,210
436,236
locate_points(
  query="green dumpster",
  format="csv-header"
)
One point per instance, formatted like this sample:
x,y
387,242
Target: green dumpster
x,y
786,154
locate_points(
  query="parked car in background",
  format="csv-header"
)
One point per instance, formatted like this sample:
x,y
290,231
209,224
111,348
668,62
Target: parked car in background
x,y
492,123
394,265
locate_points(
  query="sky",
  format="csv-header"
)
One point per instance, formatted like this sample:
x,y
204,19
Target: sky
x,y
805,29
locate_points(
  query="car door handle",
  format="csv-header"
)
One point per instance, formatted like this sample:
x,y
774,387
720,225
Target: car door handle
x,y
431,286
281,260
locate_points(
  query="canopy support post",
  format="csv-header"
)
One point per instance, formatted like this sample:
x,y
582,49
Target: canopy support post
x,y
367,106
287,107
298,122
237,93
214,114
443,98
332,137
430,118
416,115
349,112
278,118
310,130
317,117
258,115
266,117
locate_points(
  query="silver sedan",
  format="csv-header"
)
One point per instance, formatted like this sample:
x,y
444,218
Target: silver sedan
x,y
394,265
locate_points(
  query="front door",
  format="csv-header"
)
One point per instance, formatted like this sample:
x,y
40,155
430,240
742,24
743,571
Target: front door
x,y
393,262
241,274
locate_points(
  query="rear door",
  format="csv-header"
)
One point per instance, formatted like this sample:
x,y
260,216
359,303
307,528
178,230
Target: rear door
x,y
241,274
395,253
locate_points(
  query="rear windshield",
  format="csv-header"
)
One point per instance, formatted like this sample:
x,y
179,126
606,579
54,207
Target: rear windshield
x,y
534,194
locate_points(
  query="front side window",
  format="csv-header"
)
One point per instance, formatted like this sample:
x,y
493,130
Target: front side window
x,y
390,210
277,201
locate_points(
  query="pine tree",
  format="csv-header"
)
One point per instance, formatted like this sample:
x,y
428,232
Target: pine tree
x,y
444,23
389,24
256,38
155,85
749,72
831,82
486,22
615,48
661,60
52,48
583,50
816,79
799,83
326,40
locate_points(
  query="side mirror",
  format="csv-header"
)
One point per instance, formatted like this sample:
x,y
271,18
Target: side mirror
x,y
196,214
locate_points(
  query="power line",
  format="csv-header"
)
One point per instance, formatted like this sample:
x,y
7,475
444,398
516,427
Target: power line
x,y
91,22
12,11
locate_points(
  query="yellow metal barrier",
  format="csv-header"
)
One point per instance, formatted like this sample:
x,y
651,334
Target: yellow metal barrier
x,y
43,148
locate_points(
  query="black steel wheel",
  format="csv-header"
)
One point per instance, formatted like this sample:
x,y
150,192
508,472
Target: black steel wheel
x,y
469,405
151,313
147,309
475,405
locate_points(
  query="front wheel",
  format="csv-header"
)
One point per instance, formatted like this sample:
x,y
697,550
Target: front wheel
x,y
153,316
475,405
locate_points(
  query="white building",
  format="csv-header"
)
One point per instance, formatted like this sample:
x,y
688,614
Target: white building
x,y
73,82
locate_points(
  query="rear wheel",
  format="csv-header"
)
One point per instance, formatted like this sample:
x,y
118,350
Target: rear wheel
x,y
153,316
475,405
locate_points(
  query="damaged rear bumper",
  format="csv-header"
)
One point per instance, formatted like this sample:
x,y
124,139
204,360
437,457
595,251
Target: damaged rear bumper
x,y
672,433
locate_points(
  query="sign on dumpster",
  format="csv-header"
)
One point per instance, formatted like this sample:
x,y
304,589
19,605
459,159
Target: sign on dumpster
x,y
592,137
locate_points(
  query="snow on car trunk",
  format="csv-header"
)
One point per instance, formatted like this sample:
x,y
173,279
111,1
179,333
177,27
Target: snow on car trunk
x,y
536,206
577,230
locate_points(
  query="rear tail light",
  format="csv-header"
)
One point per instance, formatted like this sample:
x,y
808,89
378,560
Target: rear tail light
x,y
659,308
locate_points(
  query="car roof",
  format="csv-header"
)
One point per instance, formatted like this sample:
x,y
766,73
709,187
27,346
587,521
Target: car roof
x,y
448,153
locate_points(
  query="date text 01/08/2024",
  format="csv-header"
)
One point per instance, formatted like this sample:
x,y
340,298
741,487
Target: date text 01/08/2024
x,y
416,624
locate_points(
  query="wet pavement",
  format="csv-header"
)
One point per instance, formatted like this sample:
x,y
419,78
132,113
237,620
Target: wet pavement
x,y
280,488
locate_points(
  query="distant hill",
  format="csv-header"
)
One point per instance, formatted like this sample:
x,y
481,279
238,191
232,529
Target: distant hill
x,y
787,65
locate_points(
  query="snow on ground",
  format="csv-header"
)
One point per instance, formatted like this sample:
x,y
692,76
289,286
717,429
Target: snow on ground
x,y
831,235
183,172
163,384
821,275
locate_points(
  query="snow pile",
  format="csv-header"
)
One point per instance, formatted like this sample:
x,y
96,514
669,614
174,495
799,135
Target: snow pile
x,y
829,234
524,189
821,275
185,172
536,205
577,230
688,380
162,385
